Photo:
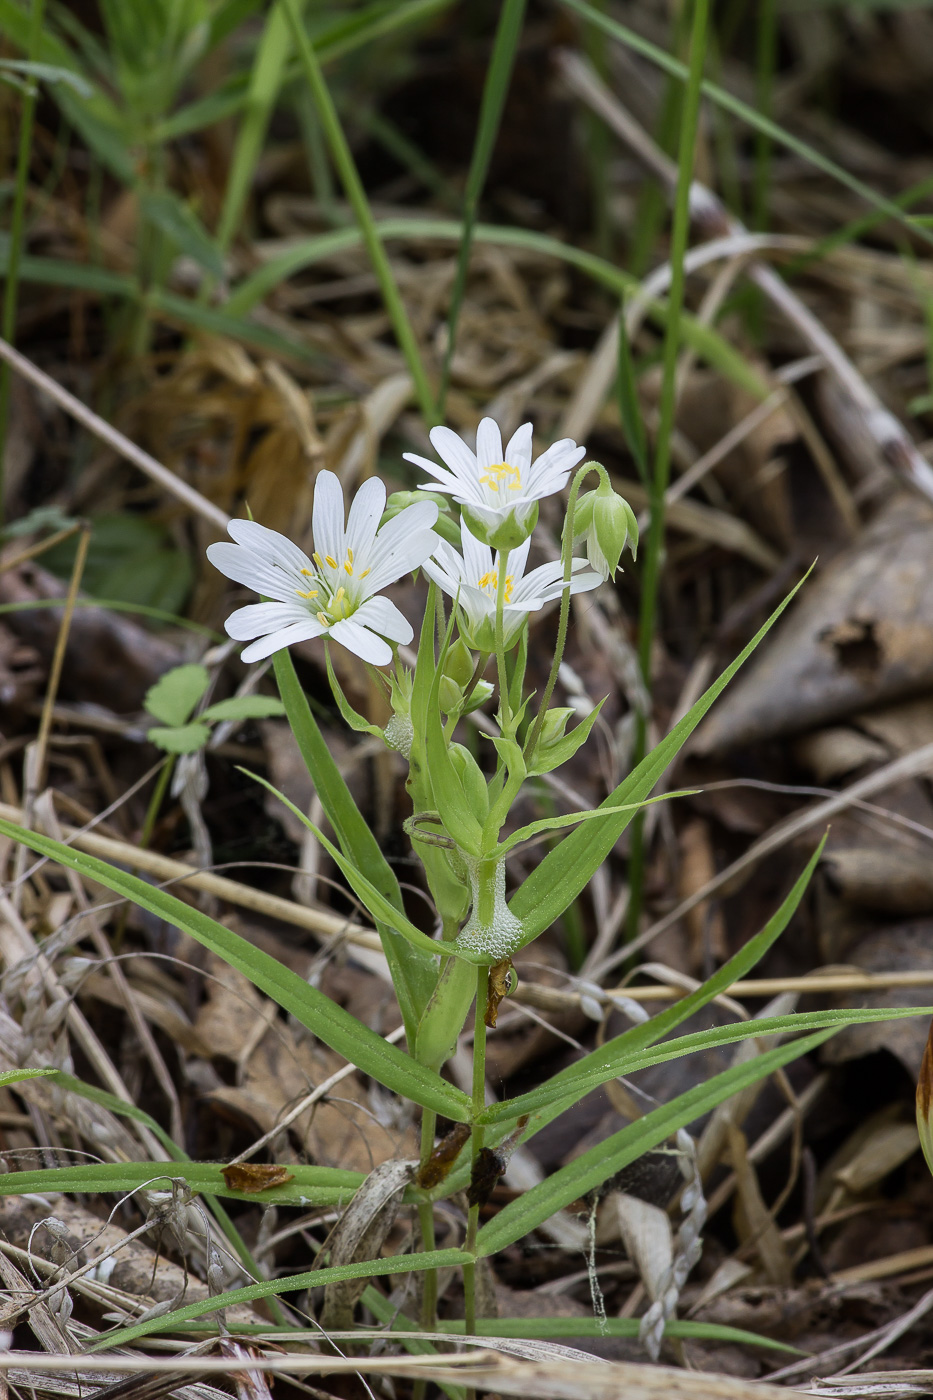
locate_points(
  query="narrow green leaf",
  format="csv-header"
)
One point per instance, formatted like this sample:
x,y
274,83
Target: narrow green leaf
x,y
16,1076
174,695
178,221
328,1021
600,1067
553,1328
412,975
380,908
565,871
354,721
638,1038
312,1186
525,833
589,1171
294,1283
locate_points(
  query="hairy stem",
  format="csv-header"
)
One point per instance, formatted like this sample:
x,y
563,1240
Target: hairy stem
x,y
426,1222
476,1138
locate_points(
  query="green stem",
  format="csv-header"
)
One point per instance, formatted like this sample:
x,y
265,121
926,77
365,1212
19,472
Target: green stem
x,y
566,554
495,91
426,1222
505,712
356,194
17,227
660,478
476,1139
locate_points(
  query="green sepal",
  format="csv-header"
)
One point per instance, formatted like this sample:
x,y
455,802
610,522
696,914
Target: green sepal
x,y
350,716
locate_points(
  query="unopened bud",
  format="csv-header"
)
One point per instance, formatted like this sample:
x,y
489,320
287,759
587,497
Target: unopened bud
x,y
554,725
459,664
606,522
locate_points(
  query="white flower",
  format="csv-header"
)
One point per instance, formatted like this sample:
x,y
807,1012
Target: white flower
x,y
498,491
332,593
473,580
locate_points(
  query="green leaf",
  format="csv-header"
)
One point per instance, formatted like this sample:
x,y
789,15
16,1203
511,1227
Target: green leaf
x,y
556,754
323,1017
638,1038
243,707
599,1067
413,975
294,1283
525,833
174,695
453,806
48,73
375,902
355,721
547,1328
178,221
312,1186
590,1170
16,1076
566,870
182,738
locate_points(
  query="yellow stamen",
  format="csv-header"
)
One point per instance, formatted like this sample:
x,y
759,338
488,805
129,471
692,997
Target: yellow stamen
x,y
491,580
331,561
495,473
317,559
311,594
365,572
349,554
322,619
341,593
349,568
308,573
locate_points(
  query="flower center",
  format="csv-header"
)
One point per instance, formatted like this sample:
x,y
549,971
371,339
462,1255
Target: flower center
x,y
495,477
489,583
330,599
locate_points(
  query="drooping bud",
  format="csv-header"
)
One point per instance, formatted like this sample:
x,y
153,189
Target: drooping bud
x,y
606,522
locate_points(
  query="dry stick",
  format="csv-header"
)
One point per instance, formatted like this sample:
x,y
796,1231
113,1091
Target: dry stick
x,y
114,438
58,656
711,217
911,765
318,921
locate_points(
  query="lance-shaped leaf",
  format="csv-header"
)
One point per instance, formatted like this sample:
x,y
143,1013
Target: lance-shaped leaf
x,y
378,906
925,1101
565,871
589,1171
638,1038
317,1186
328,1021
412,975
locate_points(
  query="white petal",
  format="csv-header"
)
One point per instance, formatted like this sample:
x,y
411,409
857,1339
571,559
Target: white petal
x,y
518,452
362,642
477,557
285,637
363,521
518,558
259,539
454,452
549,473
259,618
247,568
462,488
488,444
382,616
327,516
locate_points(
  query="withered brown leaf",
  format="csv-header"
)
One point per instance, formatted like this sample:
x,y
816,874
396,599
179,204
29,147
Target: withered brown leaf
x,y
251,1177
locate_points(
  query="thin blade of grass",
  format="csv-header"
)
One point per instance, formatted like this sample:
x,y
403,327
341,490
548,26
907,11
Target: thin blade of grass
x,y
495,91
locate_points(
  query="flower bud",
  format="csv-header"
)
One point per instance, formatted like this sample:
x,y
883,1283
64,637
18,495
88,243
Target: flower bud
x,y
445,525
459,664
506,533
553,727
607,523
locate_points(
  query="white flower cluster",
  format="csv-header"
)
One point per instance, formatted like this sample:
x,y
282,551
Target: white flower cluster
x,y
335,592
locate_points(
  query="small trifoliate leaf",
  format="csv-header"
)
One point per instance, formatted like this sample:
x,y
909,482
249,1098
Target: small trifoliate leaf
x,y
175,694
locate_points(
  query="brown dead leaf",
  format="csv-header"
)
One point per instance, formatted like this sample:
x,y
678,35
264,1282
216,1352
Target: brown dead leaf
x,y
861,634
901,947
252,1177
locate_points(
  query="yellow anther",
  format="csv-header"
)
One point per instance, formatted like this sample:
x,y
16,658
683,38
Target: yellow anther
x,y
365,572
495,473
491,580
322,619
330,560
317,559
349,554
341,593
349,568
308,573
311,594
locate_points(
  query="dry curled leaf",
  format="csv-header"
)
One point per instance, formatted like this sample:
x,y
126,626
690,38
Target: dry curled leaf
x,y
438,1165
500,979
